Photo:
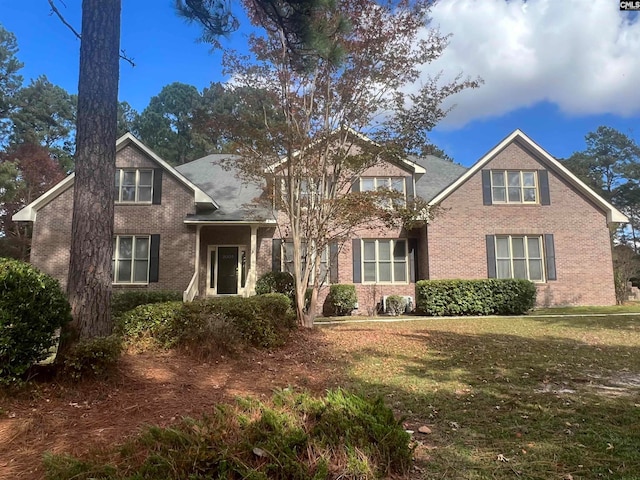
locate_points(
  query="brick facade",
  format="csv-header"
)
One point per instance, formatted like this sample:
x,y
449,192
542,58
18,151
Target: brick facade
x,y
452,246
52,230
457,246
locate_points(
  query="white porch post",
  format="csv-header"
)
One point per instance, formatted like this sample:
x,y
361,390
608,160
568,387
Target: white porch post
x,y
252,273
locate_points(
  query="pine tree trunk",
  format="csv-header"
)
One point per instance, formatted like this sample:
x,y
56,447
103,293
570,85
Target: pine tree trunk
x,y
89,283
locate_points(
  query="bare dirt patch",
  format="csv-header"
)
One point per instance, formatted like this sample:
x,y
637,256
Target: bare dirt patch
x,y
150,388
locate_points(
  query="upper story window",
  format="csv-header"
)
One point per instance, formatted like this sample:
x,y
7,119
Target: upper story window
x,y
511,186
519,257
385,261
395,184
131,259
134,185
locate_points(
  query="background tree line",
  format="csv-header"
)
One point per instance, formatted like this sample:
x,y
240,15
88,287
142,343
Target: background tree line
x,y
610,165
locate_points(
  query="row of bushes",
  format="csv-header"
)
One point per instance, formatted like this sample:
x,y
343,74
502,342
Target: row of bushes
x,y
224,322
475,297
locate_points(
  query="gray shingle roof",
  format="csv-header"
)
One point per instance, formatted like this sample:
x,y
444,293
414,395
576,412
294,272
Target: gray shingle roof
x,y
440,174
238,198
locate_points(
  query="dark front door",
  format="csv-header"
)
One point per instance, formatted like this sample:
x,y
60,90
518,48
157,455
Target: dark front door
x,y
227,271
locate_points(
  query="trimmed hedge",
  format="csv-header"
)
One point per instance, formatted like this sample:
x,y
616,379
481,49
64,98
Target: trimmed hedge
x,y
342,299
124,301
260,321
32,308
475,297
276,282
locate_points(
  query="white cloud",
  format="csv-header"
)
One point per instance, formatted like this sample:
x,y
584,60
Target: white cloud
x,y
583,56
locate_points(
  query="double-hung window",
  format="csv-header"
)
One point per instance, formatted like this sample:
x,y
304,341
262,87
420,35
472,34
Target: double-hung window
x,y
134,185
384,261
131,259
287,261
514,186
520,257
396,185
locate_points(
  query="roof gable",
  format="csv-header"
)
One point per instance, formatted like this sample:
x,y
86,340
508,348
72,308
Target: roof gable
x,y
28,213
405,163
613,214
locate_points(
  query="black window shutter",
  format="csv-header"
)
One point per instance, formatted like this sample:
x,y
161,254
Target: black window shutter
x,y
413,258
356,185
486,187
157,186
550,257
333,262
357,267
543,183
154,259
276,255
491,256
409,186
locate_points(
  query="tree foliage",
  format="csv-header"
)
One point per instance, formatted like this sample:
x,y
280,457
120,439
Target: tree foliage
x,y
10,80
310,125
610,164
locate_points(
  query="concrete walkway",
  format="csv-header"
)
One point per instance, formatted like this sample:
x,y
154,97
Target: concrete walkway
x,y
466,317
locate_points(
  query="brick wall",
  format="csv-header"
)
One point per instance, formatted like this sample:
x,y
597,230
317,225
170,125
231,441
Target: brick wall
x,y
52,229
456,237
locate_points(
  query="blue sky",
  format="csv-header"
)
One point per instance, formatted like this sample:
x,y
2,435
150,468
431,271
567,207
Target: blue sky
x,y
554,69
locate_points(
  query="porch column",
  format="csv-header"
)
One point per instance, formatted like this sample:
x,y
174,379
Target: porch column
x,y
252,273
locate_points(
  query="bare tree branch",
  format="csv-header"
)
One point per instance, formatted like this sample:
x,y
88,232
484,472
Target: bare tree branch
x,y
54,10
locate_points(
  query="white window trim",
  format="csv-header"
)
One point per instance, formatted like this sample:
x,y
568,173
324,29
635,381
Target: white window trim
x,y
526,255
121,172
377,180
391,261
116,259
505,173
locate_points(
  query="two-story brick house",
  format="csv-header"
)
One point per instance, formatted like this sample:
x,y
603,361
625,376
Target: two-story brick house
x,y
198,228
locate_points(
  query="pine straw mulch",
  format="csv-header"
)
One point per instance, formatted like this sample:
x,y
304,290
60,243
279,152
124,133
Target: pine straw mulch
x,y
149,388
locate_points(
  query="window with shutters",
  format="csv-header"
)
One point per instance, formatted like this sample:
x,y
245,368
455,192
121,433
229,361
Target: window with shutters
x,y
131,259
287,261
134,185
520,257
393,184
514,186
385,261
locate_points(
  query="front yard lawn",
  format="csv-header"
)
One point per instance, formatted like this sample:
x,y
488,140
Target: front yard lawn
x,y
526,397
507,397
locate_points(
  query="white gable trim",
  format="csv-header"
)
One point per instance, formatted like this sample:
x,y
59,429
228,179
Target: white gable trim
x,y
613,214
29,212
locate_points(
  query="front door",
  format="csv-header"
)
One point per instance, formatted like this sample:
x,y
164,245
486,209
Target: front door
x,y
227,271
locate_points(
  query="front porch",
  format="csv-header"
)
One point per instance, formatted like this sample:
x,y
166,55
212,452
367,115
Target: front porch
x,y
227,260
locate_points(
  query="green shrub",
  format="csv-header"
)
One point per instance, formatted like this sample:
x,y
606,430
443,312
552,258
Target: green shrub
x,y
122,302
32,308
93,358
262,320
475,297
396,305
158,324
342,299
297,437
276,282
224,322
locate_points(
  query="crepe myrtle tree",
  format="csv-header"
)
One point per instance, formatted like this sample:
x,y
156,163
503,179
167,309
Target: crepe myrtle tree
x,y
309,124
89,281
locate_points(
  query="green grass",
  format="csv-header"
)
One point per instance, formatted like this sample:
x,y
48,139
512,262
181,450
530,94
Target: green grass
x,y
535,398
632,307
